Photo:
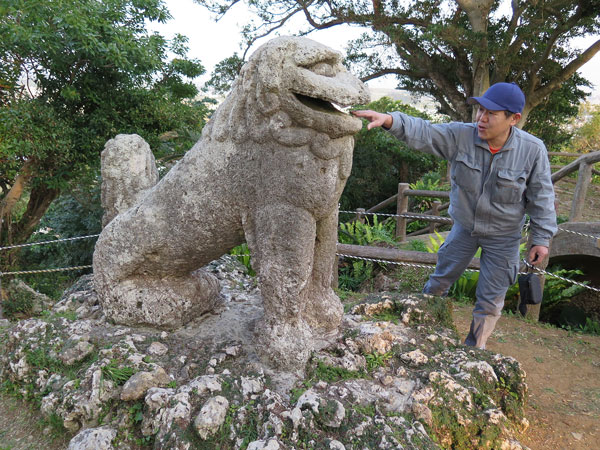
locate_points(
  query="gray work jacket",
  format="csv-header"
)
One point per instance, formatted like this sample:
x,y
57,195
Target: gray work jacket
x,y
490,194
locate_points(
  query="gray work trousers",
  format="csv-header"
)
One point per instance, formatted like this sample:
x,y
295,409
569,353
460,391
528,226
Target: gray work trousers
x,y
499,269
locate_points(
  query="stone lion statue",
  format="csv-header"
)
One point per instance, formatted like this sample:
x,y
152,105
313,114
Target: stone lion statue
x,y
269,170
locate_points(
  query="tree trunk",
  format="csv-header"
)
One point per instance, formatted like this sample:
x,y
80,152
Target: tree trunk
x,y
12,233
14,194
478,12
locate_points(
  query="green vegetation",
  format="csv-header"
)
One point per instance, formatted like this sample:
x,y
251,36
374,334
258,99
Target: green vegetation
x,y
18,304
381,161
375,360
119,375
58,61
242,253
330,374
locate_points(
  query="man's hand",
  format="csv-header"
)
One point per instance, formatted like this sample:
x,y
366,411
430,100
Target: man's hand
x,y
537,254
375,118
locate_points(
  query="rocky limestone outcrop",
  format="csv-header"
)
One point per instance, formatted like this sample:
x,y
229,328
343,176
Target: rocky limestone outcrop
x,y
271,164
394,376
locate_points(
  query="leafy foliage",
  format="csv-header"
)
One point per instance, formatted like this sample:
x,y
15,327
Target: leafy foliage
x,y
558,291
367,233
353,273
449,50
550,121
119,375
242,252
381,161
73,74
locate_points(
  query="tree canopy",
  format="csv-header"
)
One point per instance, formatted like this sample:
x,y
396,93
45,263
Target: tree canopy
x,y
73,74
380,161
452,49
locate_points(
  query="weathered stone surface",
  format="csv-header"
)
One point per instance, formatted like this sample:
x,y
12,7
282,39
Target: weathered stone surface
x,y
76,353
93,439
211,417
271,164
158,349
128,170
140,382
271,444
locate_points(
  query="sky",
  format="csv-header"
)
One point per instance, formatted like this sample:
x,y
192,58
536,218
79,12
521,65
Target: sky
x,y
211,41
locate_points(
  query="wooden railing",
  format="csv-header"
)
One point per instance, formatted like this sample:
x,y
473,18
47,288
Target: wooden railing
x,y
583,164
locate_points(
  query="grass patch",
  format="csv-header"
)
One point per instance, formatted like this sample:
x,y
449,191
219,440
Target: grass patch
x,y
119,375
331,374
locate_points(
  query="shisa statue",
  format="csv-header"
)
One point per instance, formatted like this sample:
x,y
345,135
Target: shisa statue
x,y
269,169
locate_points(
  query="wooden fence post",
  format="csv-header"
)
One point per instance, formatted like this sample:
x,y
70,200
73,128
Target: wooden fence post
x,y
401,208
583,183
435,211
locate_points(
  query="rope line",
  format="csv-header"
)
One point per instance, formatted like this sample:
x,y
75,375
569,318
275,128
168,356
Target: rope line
x,y
446,219
579,233
403,215
431,267
568,280
49,242
399,263
58,269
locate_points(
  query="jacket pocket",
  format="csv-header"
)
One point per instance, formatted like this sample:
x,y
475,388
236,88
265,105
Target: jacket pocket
x,y
466,173
510,185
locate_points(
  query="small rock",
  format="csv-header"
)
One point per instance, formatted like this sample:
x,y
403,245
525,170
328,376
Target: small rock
x,y
140,382
336,445
415,357
271,444
387,380
423,413
157,349
577,436
93,439
251,386
333,412
211,416
77,353
232,350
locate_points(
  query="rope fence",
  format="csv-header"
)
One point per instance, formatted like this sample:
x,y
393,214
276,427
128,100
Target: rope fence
x,y
55,241
382,261
443,219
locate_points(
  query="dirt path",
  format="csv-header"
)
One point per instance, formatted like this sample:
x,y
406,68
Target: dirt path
x,y
21,428
563,375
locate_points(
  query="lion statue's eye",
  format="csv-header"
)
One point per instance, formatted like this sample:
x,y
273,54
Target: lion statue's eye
x,y
323,68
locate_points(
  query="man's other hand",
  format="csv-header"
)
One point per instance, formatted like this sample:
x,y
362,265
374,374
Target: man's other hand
x,y
537,254
375,118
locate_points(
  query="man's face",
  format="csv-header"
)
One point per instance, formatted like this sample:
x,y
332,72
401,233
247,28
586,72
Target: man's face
x,y
494,126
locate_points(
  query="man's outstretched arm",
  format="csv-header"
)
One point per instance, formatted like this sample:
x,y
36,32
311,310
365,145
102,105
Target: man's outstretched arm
x,y
375,118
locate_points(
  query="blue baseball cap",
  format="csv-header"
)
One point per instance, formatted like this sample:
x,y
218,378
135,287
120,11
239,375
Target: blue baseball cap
x,y
501,97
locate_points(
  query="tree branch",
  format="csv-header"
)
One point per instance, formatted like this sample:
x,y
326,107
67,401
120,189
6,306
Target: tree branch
x,y
566,73
383,72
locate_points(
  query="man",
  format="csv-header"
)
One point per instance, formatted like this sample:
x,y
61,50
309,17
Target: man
x,y
499,173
